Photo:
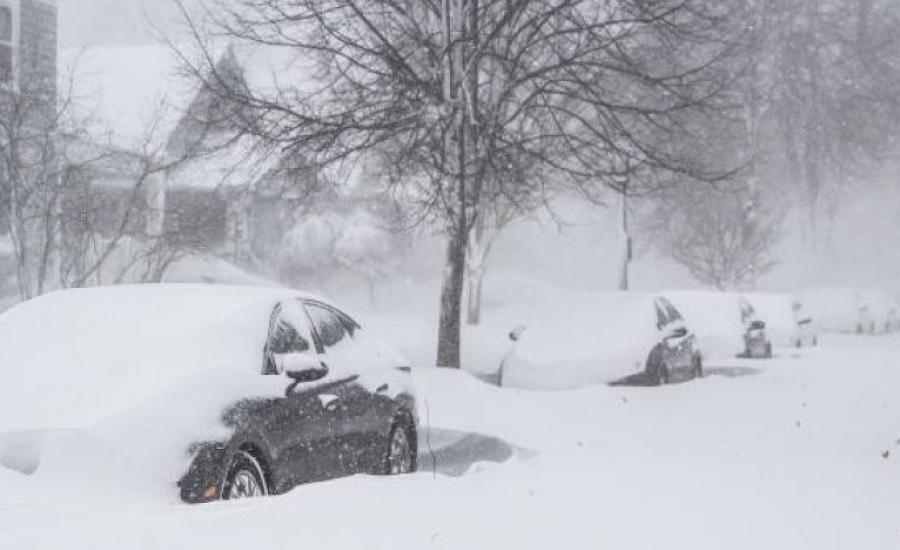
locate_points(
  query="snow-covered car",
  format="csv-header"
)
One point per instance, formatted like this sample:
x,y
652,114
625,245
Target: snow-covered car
x,y
851,310
880,311
588,339
807,333
787,324
756,338
726,324
218,392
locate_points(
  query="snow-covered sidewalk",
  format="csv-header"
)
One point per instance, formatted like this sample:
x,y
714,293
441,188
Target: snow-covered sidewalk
x,y
799,452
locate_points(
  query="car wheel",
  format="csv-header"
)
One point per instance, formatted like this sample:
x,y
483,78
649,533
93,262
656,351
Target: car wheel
x,y
245,478
401,452
697,367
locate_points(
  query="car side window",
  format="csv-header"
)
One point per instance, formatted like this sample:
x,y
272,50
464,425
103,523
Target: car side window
x,y
673,313
328,325
288,333
661,320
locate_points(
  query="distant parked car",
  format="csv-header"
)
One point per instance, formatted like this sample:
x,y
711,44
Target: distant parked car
x,y
222,392
590,339
807,333
878,311
726,324
756,339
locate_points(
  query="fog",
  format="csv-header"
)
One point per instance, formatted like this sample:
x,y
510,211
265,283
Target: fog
x,y
86,23
571,244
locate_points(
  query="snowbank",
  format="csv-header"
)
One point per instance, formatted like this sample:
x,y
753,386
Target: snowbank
x,y
756,455
81,356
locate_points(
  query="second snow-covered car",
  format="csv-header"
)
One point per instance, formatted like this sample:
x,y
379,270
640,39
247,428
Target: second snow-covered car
x,y
726,324
588,339
219,392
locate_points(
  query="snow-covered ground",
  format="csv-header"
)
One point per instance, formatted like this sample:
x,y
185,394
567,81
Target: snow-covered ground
x,y
799,452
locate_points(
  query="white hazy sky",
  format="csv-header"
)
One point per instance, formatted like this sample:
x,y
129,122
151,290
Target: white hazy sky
x,y
101,22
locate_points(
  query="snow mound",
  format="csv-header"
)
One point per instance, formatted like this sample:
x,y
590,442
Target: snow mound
x,y
80,356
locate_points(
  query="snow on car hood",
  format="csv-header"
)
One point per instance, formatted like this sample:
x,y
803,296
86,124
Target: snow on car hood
x,y
76,357
583,340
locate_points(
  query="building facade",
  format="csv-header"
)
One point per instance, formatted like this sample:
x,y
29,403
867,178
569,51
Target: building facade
x,y
29,32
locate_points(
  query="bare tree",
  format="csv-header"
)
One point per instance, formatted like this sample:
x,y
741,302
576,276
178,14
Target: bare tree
x,y
820,96
453,96
33,117
721,234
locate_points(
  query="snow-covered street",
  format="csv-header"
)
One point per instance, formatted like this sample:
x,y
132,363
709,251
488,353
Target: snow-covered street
x,y
802,451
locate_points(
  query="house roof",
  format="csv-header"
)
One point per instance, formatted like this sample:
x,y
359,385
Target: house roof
x,y
140,97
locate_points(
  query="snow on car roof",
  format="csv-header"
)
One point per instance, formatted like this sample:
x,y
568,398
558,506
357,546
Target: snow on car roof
x,y
79,355
586,325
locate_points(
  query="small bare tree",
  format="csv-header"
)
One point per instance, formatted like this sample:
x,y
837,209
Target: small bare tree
x,y
721,234
33,120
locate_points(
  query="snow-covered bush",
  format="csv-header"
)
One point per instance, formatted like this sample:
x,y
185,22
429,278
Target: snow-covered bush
x,y
325,248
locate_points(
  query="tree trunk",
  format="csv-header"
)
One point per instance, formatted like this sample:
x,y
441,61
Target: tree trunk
x,y
449,331
625,237
475,283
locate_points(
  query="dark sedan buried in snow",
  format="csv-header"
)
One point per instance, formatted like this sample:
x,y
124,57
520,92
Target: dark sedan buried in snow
x,y
228,392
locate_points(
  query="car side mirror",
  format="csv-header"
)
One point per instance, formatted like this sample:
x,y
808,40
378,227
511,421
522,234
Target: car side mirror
x,y
516,333
679,332
757,325
302,367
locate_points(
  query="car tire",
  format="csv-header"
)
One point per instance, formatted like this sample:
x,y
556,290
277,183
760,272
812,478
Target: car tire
x,y
400,457
245,478
697,370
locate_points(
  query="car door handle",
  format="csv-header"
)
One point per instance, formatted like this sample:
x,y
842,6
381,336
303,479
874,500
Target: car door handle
x,y
329,401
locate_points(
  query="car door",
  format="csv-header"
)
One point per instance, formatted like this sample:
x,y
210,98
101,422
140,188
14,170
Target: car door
x,y
353,400
300,426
